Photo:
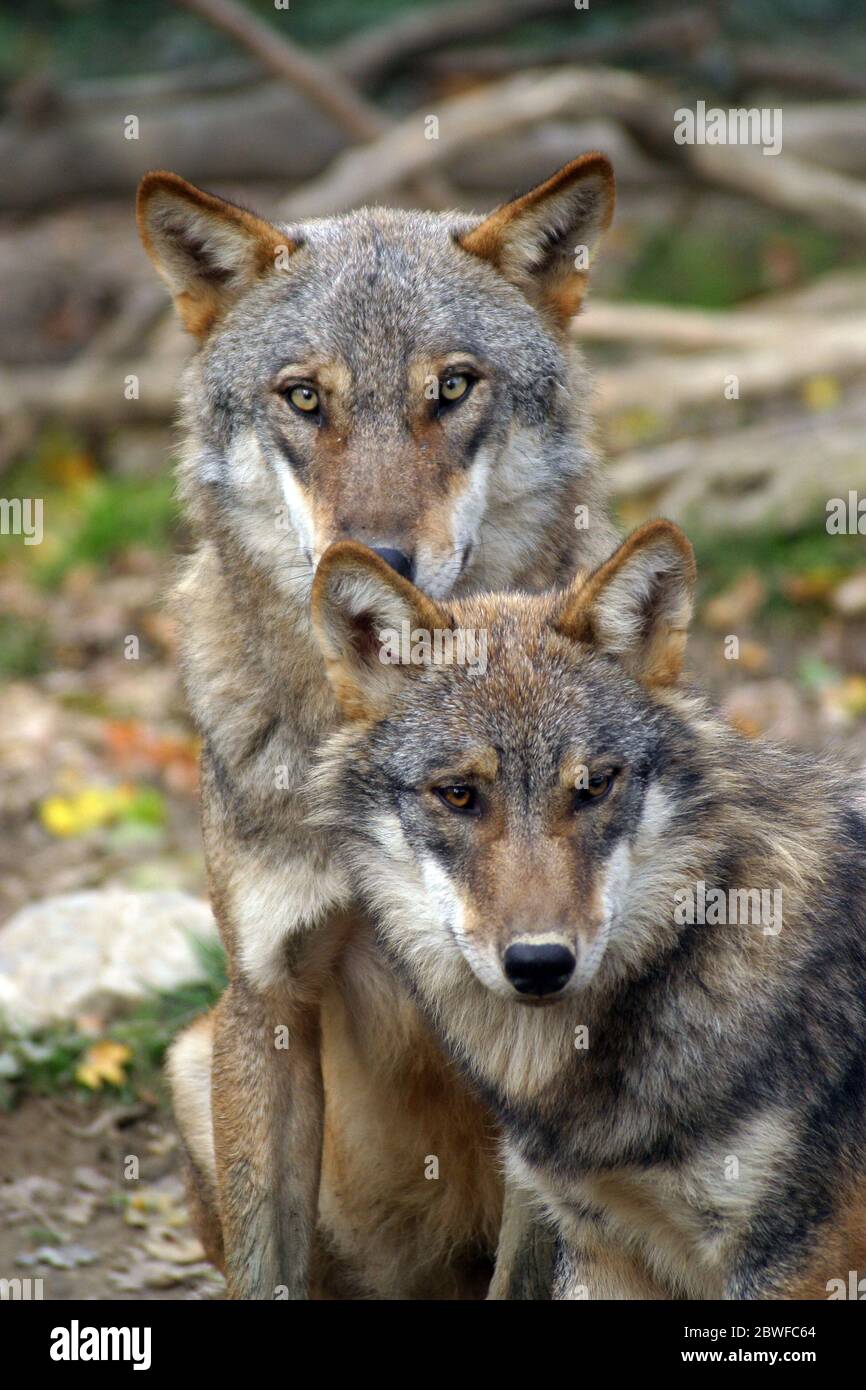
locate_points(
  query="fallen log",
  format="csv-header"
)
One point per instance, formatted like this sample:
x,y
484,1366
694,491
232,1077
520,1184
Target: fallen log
x,y
216,138
829,199
208,138
775,474
408,150
691,329
669,384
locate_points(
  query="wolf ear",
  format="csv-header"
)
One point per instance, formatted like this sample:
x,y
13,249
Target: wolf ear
x,y
207,250
638,604
359,606
544,241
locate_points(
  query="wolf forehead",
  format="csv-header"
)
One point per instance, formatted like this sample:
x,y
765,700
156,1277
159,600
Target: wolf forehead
x,y
539,702
386,285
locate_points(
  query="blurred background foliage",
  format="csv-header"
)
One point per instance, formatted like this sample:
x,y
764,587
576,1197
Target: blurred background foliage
x,y
755,272
93,38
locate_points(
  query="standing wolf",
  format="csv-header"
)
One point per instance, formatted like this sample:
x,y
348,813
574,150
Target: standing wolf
x,y
642,936
404,379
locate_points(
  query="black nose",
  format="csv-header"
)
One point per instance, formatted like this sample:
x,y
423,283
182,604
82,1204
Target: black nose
x,y
403,564
539,969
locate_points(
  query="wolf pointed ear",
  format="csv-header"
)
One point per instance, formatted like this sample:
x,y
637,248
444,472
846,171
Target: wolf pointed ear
x,y
207,250
638,604
359,607
544,241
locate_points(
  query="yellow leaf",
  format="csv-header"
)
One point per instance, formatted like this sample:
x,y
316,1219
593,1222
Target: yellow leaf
x,y
58,817
845,701
104,1062
737,604
821,392
85,810
753,657
93,807
73,468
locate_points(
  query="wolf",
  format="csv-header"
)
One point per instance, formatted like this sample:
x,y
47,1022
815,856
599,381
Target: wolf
x,y
682,1091
408,380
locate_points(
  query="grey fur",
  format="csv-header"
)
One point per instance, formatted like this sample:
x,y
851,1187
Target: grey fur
x,y
367,294
706,1043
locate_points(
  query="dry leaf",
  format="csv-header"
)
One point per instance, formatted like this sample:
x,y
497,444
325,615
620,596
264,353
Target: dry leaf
x,y
736,605
104,1062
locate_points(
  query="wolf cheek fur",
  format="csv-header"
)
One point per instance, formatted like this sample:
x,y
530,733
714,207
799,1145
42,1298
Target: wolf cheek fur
x,y
406,379
684,1094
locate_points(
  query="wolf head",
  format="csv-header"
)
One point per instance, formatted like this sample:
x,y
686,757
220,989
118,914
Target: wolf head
x,y
402,379
501,817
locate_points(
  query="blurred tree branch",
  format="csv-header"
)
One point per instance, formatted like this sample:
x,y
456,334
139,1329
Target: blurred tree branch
x,y
646,110
405,152
683,32
278,55
799,72
377,53
322,84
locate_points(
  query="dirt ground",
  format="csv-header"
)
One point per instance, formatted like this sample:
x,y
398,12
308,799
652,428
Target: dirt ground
x,y
71,1217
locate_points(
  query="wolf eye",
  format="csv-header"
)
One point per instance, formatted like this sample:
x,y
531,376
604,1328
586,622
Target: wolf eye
x,y
454,386
304,398
596,789
459,798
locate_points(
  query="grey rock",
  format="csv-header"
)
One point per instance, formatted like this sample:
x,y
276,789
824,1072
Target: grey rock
x,y
97,952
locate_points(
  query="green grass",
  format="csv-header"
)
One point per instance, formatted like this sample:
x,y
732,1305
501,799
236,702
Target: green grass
x,y
25,647
90,521
777,558
45,1062
112,515
697,267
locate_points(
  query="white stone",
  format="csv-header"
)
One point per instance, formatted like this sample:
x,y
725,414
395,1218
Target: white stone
x,y
850,597
97,952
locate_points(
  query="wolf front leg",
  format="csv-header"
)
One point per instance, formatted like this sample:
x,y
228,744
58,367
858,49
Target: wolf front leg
x,y
283,930
590,1264
267,1118
525,1252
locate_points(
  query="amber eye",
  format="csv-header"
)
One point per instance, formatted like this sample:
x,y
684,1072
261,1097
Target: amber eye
x,y
459,798
304,398
454,386
597,788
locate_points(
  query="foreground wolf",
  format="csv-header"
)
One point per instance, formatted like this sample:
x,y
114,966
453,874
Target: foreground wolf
x,y
642,937
405,379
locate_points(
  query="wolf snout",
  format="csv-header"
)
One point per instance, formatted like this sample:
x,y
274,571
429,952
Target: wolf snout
x,y
398,560
538,969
